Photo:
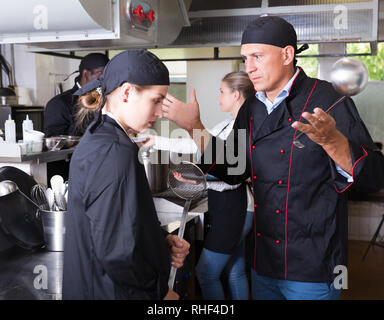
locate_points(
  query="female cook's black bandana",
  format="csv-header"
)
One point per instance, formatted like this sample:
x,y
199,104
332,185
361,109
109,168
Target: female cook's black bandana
x,y
136,66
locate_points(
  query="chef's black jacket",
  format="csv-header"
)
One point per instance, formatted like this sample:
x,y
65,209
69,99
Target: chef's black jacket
x,y
300,228
59,115
114,246
60,119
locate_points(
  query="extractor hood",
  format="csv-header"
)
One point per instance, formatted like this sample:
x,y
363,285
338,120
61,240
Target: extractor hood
x,y
47,25
221,22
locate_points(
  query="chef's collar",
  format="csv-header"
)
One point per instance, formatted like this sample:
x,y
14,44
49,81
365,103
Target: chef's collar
x,y
109,114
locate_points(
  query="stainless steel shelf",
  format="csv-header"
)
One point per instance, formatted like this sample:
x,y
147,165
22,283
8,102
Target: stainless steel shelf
x,y
41,157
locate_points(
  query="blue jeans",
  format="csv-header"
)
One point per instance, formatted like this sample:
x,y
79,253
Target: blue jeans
x,y
212,264
264,288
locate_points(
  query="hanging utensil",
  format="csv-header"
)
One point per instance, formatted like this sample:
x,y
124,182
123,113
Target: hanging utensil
x,y
188,182
349,77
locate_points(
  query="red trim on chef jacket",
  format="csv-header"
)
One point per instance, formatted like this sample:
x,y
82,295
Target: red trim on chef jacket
x,y
254,214
289,180
294,81
366,154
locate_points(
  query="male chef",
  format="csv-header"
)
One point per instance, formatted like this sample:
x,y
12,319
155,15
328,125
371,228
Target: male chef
x,y
300,229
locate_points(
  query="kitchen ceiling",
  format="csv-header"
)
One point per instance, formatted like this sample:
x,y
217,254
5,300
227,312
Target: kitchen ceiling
x,y
190,23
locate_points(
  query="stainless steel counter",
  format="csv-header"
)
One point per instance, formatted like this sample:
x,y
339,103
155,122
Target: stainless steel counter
x,y
31,275
38,274
41,157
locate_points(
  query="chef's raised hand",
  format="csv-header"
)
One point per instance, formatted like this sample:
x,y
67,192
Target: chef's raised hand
x,y
178,249
185,115
322,130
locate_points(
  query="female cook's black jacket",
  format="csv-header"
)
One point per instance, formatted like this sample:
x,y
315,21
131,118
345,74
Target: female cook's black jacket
x,y
300,228
114,246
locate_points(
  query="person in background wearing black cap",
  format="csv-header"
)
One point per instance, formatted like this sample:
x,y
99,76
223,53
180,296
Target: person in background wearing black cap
x,y
60,115
114,245
300,229
60,112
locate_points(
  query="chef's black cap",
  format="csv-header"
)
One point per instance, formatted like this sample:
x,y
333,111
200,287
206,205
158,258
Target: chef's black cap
x,y
92,61
136,66
271,30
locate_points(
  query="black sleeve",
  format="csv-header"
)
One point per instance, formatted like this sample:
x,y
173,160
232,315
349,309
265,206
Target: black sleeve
x,y
227,160
127,237
57,117
367,160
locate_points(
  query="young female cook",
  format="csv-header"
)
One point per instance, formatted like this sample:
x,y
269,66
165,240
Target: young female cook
x,y
115,248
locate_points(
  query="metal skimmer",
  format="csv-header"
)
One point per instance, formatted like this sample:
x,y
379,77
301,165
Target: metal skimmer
x,y
188,182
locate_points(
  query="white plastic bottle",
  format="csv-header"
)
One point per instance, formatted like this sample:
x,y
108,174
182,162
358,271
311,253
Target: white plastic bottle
x,y
10,130
27,125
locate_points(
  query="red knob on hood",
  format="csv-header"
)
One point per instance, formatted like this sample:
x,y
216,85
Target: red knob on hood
x,y
138,11
151,15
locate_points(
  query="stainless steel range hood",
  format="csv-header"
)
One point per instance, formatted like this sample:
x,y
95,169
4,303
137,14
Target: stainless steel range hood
x,y
221,23
47,25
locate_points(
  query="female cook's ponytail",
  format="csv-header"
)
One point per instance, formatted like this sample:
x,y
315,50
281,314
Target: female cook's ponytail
x,y
88,105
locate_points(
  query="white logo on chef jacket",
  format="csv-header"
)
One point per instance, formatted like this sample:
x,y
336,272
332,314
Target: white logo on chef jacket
x,y
341,20
41,280
40,20
341,280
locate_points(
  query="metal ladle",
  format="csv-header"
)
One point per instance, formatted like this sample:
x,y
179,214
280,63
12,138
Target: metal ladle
x,y
349,77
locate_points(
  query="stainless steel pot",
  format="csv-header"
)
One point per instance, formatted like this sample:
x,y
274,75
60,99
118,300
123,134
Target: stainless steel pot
x,y
156,165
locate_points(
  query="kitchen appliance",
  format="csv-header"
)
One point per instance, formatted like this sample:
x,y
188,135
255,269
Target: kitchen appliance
x,y
7,94
187,181
97,24
349,77
156,165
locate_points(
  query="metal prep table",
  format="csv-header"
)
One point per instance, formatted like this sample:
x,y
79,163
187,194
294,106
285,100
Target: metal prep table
x,y
37,274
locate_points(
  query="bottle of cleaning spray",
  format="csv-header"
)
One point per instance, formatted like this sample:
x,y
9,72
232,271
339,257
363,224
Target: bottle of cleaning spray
x,y
27,125
10,130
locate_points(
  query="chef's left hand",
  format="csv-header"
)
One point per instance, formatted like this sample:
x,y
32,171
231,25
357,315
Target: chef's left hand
x,y
321,128
179,249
